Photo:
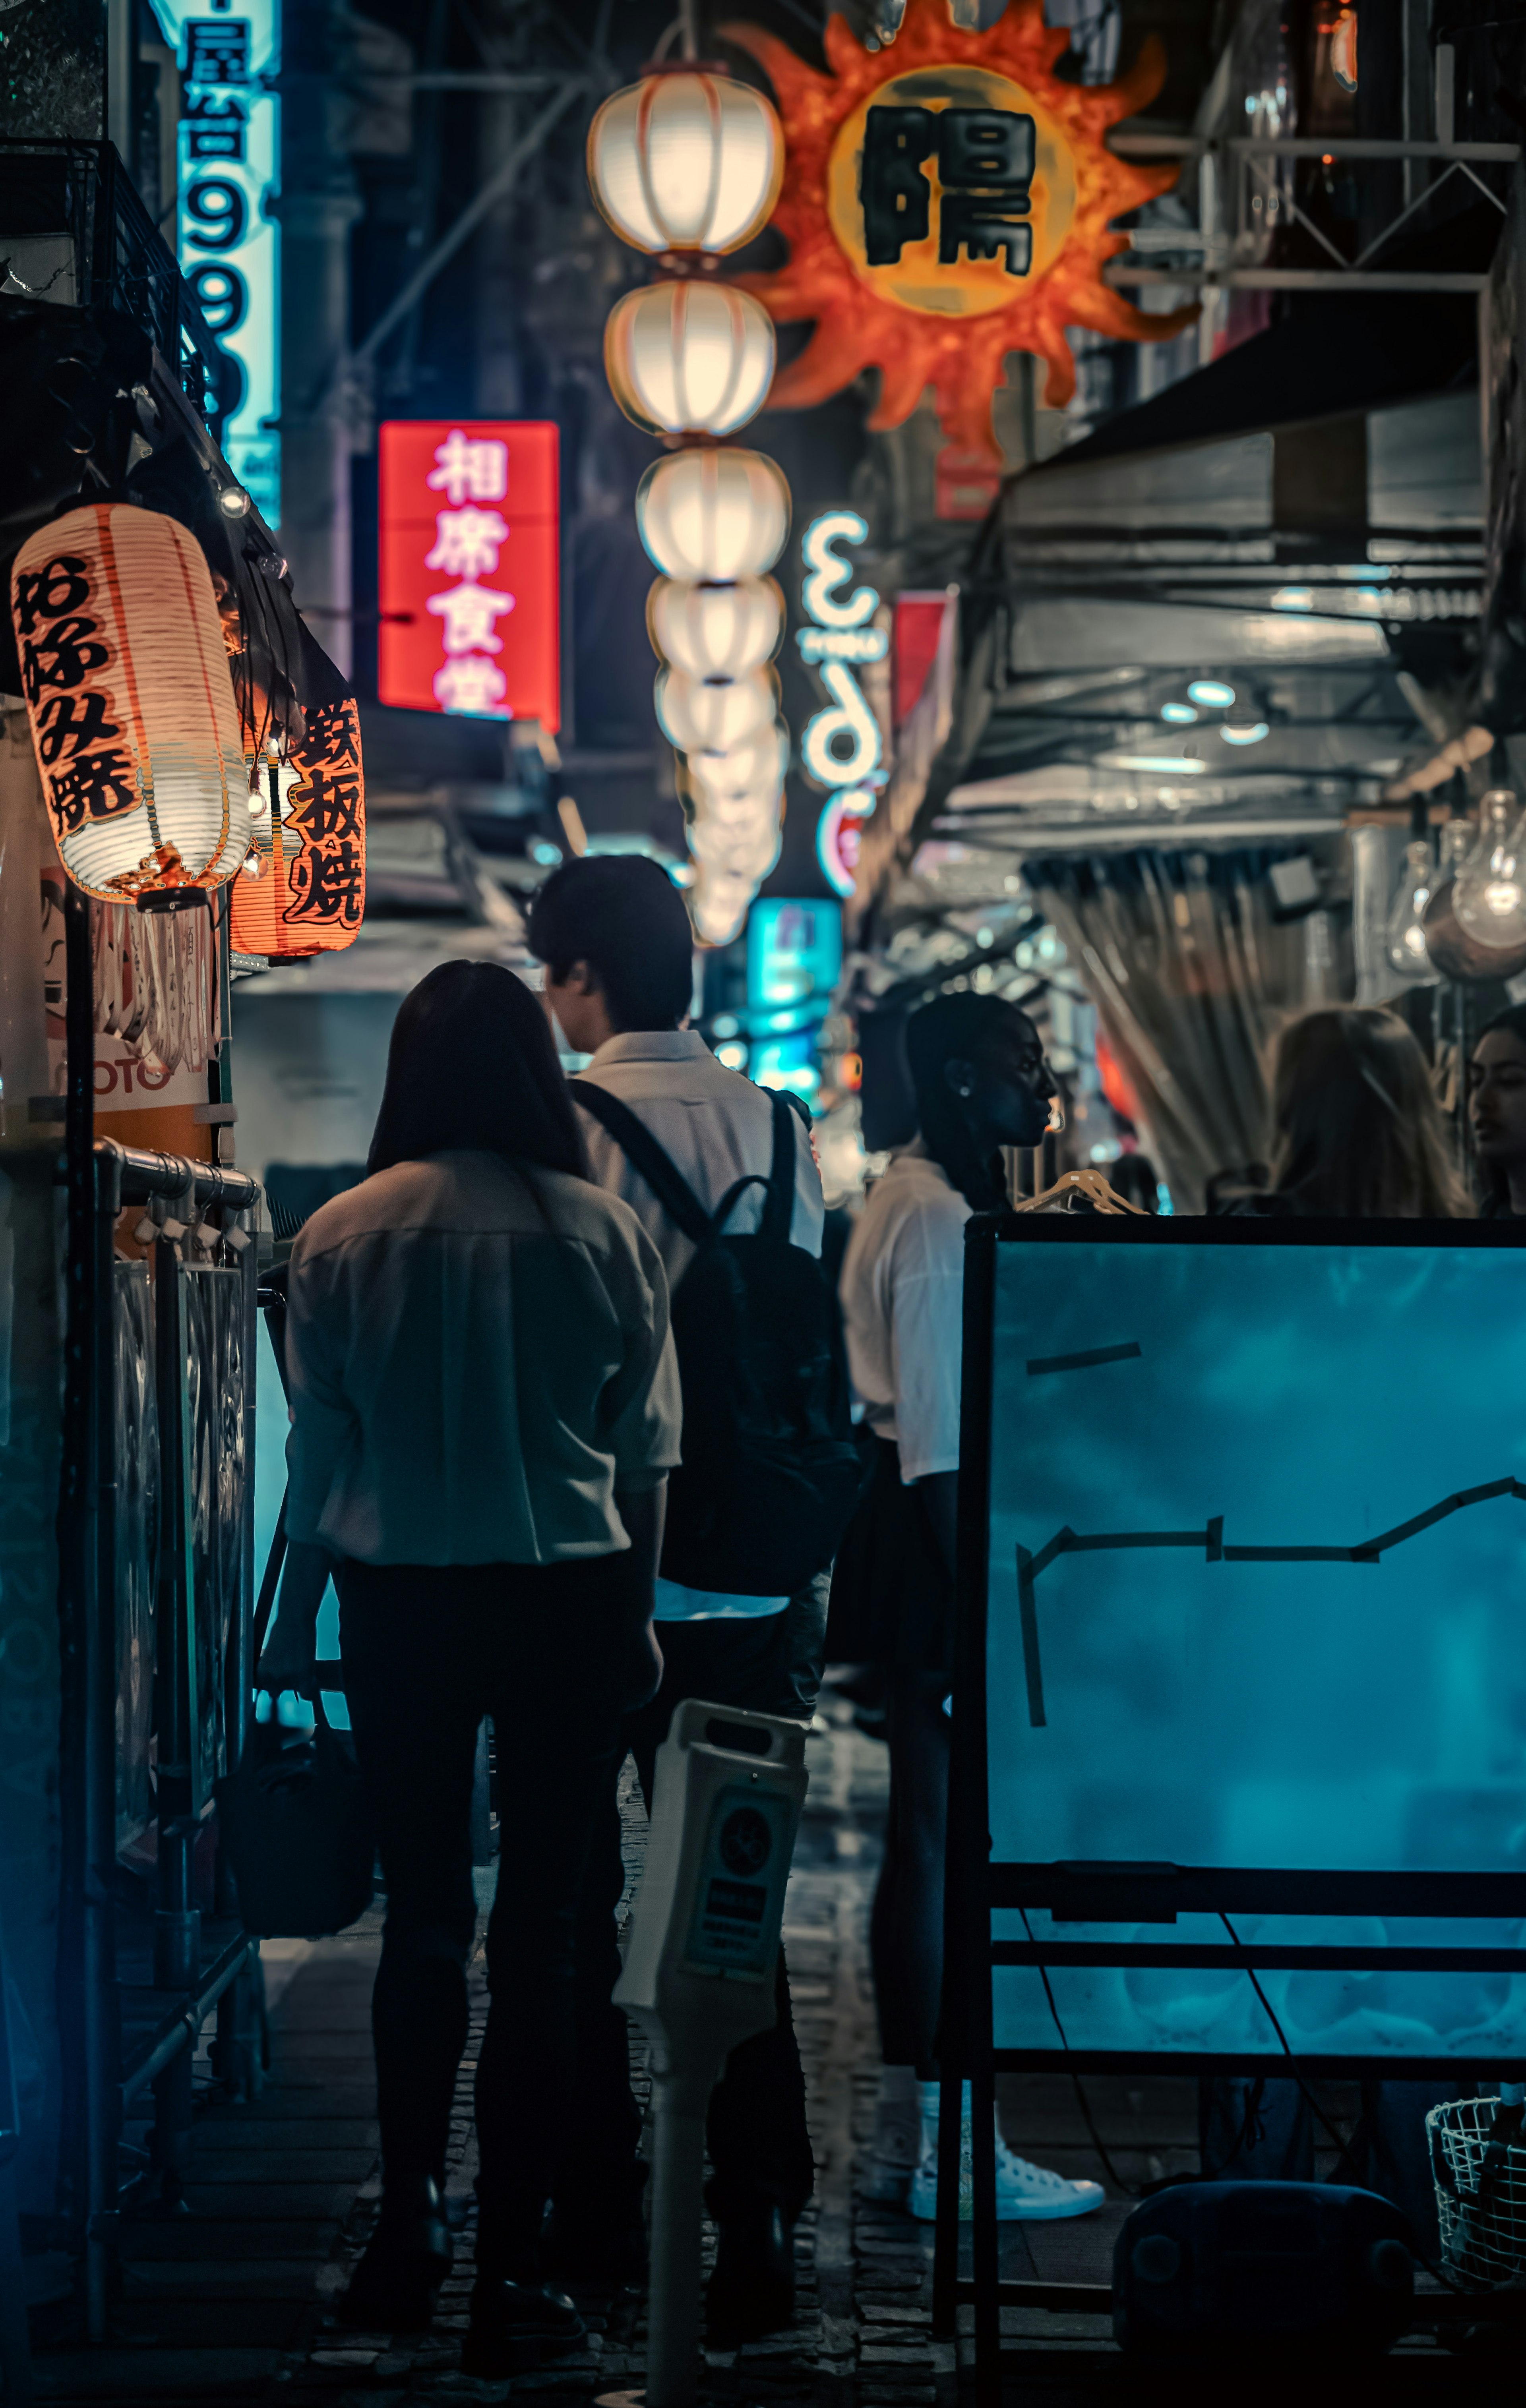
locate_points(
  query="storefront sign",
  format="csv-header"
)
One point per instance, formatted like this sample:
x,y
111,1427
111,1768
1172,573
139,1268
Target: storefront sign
x,y
841,746
229,243
470,587
946,200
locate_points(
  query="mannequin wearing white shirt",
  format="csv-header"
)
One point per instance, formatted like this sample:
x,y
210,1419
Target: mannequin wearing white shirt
x,y
981,1082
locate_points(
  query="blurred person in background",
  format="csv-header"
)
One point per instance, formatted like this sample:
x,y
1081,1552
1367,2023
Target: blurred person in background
x,y
981,1082
1497,1111
1132,1176
1357,1132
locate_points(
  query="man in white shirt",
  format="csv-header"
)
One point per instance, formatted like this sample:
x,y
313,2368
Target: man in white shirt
x,y
616,939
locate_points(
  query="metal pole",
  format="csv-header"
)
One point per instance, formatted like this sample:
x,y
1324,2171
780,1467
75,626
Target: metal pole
x,y
176,1925
677,2158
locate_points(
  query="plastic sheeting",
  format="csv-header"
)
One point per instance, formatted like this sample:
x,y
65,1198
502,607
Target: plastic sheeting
x,y
1365,1716
1191,974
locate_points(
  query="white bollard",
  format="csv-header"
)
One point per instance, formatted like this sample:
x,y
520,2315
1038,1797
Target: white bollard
x,y
699,1973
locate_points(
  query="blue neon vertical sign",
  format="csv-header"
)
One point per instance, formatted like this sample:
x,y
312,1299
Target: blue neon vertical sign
x,y
229,243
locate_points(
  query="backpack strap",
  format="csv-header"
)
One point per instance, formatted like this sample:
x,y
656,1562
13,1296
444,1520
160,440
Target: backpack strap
x,y
779,1211
645,1155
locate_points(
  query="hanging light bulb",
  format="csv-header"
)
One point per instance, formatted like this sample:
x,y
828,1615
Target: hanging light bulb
x,y
1408,949
1489,896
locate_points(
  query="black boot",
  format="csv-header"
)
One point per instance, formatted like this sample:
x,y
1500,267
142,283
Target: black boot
x,y
393,2288
752,2291
515,2325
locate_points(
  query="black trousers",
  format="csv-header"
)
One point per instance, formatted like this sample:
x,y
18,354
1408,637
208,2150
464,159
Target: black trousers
x,y
759,2146
427,1653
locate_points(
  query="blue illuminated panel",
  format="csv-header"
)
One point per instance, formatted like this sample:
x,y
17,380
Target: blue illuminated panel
x,y
228,242
1305,1644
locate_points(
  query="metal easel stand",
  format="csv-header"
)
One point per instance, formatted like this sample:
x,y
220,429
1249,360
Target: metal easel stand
x,y
100,2076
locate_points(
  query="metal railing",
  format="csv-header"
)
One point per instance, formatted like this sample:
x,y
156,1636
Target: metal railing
x,y
57,185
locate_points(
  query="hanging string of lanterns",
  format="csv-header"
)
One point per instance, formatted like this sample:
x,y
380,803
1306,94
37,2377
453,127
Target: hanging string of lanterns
x,y
686,165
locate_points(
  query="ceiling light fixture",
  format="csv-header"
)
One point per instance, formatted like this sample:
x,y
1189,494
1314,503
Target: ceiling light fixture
x,y
1211,692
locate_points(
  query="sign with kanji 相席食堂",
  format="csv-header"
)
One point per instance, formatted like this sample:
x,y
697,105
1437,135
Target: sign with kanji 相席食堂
x,y
469,582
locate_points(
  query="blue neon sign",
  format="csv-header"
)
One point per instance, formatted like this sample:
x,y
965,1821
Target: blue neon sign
x,y
228,241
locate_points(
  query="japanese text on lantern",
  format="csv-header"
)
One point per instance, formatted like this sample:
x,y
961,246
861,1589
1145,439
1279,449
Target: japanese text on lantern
x,y
470,569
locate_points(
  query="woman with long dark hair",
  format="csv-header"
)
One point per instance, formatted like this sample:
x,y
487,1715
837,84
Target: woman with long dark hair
x,y
1357,1131
485,1407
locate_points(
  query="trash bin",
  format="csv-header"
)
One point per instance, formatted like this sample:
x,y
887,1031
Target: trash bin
x,y
1478,2159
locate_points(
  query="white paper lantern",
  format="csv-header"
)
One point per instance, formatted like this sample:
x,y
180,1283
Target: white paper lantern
x,y
746,852
707,514
131,703
685,162
716,631
718,904
700,718
689,359
750,768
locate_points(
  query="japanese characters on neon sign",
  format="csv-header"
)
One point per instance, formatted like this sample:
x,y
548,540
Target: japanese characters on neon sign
x,y
841,747
470,569
228,241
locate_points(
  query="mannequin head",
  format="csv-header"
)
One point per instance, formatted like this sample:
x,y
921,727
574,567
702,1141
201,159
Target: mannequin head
x,y
981,1082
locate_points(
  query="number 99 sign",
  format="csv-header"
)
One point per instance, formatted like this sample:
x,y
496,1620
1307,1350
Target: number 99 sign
x,y
218,214
221,295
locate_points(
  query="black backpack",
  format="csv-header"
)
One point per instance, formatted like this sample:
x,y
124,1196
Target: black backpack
x,y
771,1473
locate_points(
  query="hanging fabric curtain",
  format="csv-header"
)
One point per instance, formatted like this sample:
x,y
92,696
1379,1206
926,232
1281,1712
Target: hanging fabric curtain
x,y
303,890
130,703
1192,974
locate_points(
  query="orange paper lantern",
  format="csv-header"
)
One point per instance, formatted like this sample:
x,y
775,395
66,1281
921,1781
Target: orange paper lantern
x,y
130,703
303,890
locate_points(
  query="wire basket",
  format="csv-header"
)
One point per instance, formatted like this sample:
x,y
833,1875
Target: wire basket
x,y
1481,2201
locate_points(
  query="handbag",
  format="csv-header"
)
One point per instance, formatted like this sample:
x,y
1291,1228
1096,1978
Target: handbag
x,y
298,1833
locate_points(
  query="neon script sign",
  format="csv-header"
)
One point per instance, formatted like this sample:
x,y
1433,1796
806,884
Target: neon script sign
x,y
470,569
841,746
229,243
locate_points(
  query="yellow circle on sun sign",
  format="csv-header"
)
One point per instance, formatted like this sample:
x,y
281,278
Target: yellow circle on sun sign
x,y
919,280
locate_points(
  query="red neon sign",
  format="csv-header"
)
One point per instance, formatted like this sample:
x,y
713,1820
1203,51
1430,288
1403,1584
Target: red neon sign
x,y
470,583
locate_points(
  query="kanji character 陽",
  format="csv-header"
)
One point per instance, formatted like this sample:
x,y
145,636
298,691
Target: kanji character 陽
x,y
472,684
479,469
471,614
94,785
467,542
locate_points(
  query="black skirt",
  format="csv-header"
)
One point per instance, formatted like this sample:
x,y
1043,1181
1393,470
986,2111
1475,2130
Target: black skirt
x,y
892,1592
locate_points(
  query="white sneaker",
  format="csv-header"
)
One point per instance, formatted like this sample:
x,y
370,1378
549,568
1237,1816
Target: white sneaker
x,y
1025,2193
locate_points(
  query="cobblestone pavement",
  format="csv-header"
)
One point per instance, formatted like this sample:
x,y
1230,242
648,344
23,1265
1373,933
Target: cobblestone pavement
x,y
234,2302
864,2329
